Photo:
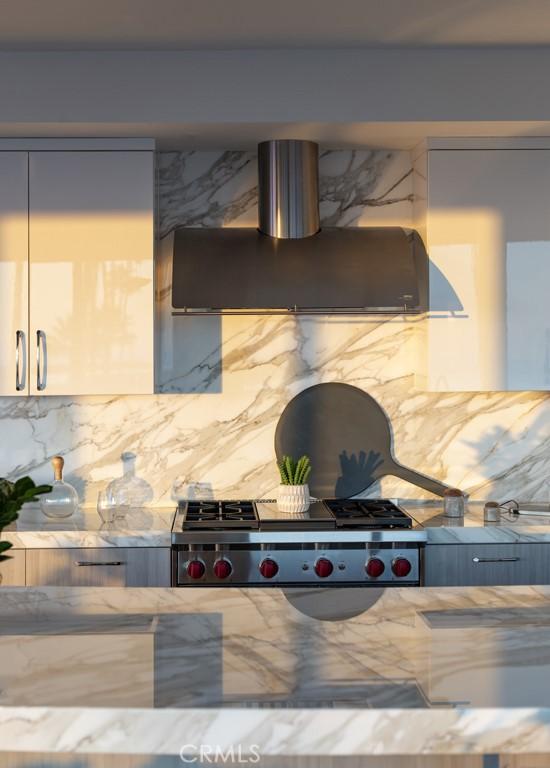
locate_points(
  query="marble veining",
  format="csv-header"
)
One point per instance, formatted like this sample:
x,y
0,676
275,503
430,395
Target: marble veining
x,y
223,382
277,733
215,189
268,647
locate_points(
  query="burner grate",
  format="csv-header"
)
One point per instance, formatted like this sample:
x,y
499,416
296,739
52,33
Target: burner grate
x,y
219,514
366,513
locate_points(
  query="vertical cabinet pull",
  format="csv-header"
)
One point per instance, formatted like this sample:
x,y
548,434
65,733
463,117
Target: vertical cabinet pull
x,y
41,361
20,361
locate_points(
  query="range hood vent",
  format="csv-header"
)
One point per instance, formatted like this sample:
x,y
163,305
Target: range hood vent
x,y
289,264
288,183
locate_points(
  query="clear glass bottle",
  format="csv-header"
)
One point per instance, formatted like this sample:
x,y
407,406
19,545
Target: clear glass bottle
x,y
129,491
62,501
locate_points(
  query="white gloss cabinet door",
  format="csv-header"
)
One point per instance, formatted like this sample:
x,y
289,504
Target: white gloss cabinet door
x,y
488,225
91,272
14,307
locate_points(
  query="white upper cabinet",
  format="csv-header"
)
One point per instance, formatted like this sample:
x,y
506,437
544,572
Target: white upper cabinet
x,y
487,233
76,272
14,310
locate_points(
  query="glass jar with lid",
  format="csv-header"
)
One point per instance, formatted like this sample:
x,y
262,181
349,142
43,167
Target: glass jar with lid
x,y
453,503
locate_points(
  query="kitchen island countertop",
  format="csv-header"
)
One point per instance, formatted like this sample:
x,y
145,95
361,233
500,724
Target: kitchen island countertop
x,y
303,673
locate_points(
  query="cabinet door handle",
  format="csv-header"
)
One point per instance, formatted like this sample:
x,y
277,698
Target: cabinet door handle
x,y
41,360
88,563
495,559
20,361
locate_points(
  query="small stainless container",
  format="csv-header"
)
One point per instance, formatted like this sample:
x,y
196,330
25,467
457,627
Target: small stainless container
x,y
491,512
453,503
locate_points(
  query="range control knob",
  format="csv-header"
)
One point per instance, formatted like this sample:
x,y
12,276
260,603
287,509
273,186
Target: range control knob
x,y
323,567
269,568
222,569
401,567
375,567
195,569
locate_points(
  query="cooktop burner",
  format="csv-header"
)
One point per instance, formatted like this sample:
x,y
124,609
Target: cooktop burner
x,y
219,514
264,515
366,513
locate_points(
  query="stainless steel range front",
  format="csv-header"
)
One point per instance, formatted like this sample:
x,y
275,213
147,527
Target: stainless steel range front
x,y
337,542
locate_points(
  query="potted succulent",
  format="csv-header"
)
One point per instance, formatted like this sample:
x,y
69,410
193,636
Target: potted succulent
x,y
12,498
293,494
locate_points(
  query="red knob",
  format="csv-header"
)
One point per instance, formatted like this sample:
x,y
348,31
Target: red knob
x,y
195,569
401,567
323,567
375,567
269,568
222,569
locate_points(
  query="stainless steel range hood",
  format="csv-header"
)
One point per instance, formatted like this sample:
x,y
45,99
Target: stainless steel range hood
x,y
289,264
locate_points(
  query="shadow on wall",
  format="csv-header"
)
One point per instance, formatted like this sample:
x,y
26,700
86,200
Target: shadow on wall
x,y
188,350
443,297
530,471
191,355
357,471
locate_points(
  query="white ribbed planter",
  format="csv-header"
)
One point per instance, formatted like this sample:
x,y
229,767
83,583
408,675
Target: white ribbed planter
x,y
293,499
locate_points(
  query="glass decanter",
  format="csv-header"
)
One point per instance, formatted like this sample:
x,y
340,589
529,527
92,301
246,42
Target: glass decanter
x,y
129,491
62,501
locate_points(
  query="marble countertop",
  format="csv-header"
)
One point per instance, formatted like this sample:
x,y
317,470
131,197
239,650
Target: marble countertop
x,y
296,673
150,527
147,527
472,529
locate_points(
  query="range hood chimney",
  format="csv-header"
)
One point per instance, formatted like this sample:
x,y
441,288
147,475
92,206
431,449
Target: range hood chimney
x,y
289,264
288,183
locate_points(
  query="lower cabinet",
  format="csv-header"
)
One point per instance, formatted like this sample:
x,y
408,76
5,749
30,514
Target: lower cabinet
x,y
12,570
470,565
105,567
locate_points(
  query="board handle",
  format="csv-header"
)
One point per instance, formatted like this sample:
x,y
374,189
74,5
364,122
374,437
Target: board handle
x,y
417,478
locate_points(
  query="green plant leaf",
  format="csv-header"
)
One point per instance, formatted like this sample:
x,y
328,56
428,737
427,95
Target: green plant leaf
x,y
304,466
12,498
282,471
289,466
294,472
21,486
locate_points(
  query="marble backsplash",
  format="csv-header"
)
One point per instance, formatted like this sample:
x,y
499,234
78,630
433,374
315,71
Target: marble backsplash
x,y
224,381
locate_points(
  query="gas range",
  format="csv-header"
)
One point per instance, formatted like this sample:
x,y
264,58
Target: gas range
x,y
337,542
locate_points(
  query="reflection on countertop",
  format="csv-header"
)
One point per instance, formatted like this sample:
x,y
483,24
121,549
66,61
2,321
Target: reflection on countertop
x,y
410,671
472,529
144,527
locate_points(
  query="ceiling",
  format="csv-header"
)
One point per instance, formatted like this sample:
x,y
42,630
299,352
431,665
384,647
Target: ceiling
x,y
231,24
